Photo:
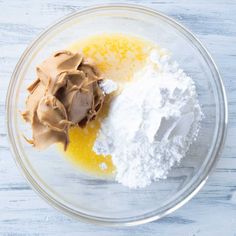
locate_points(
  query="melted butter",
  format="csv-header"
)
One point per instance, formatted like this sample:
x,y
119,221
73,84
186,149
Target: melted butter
x,y
117,56
80,149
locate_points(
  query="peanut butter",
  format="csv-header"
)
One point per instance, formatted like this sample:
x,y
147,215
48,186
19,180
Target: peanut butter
x,y
66,93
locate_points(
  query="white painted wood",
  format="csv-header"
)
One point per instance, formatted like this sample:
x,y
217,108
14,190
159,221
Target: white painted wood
x,y
211,212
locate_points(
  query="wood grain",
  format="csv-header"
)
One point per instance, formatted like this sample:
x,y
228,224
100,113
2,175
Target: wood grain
x,y
211,212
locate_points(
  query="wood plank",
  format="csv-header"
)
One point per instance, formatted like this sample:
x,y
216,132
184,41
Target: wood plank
x,y
211,212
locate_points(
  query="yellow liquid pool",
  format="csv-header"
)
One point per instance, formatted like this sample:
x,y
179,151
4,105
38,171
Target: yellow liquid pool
x,y
118,57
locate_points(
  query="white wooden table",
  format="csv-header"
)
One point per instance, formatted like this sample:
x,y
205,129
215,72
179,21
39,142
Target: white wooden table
x,y
211,212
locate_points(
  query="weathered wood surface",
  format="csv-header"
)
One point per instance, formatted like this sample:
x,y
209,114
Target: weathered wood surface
x,y
211,212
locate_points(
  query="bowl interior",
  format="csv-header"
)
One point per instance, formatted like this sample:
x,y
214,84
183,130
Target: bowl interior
x,y
101,199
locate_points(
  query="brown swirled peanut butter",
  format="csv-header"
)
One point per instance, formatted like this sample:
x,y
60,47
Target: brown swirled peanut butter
x,y
66,93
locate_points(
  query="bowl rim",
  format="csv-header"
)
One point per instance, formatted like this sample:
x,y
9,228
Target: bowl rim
x,y
191,191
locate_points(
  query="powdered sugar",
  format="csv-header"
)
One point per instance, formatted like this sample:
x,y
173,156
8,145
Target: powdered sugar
x,y
108,86
151,124
103,166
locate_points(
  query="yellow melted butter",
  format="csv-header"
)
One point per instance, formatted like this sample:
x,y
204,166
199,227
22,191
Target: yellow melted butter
x,y
117,56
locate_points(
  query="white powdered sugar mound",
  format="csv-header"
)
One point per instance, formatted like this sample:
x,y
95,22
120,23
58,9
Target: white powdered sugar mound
x,y
151,124
108,86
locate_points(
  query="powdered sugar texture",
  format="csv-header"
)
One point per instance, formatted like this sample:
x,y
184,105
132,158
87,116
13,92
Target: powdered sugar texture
x,y
151,124
108,86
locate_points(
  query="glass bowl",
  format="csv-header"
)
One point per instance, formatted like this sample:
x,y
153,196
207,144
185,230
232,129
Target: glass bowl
x,y
100,200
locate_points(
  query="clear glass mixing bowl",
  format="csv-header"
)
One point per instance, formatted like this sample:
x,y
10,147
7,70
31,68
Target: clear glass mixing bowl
x,y
104,201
